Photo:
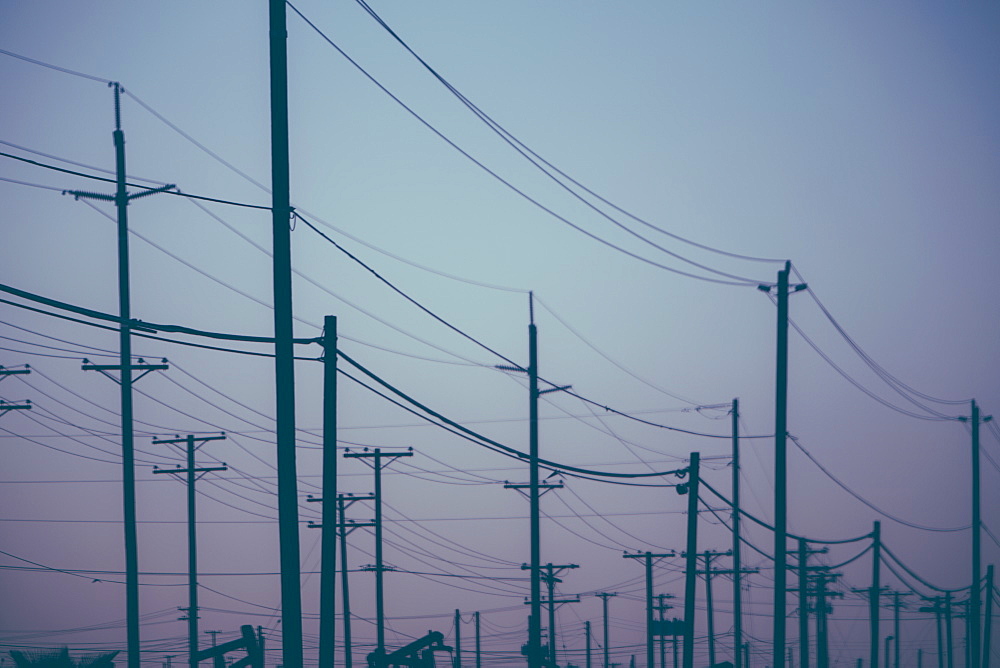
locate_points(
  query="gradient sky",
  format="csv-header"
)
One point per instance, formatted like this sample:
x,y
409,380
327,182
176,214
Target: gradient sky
x,y
858,140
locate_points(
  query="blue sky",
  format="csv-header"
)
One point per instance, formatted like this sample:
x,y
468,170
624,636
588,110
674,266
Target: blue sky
x,y
856,140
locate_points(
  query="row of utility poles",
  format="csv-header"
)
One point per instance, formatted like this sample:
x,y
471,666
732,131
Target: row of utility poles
x,y
288,531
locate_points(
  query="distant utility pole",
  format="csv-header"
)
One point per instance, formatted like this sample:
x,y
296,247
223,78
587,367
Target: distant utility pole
x,y
803,568
737,562
551,578
988,621
192,474
458,639
479,659
535,655
586,633
121,198
7,406
780,463
345,527
604,606
708,556
328,539
691,556
975,595
822,594
647,558
377,465
662,608
896,605
938,609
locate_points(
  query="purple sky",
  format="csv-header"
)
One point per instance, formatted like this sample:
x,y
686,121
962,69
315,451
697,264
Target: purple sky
x,y
857,140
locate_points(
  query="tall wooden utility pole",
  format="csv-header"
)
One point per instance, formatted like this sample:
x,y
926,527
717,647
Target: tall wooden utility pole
x,y
284,360
328,539
551,577
691,557
975,596
192,474
121,198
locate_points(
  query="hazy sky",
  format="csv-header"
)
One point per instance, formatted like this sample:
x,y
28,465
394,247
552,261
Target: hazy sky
x,y
858,140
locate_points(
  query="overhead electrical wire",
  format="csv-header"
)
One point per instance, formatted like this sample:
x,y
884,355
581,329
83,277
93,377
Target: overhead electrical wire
x,y
531,156
741,283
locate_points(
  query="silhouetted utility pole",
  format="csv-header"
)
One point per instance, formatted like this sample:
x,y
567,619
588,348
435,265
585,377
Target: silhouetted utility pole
x,y
377,465
586,633
937,608
535,654
604,606
737,563
896,605
284,360
191,474
949,642
458,639
691,556
662,608
821,580
803,570
875,593
479,658
780,464
551,578
328,539
975,596
121,198
708,556
647,558
988,621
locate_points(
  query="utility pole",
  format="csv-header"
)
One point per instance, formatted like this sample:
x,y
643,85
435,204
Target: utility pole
x,y
586,633
662,607
345,527
691,555
647,558
875,594
822,579
479,658
896,605
948,631
121,198
535,654
192,475
937,609
988,621
214,635
284,360
604,605
328,538
780,463
803,570
458,639
708,556
737,563
377,456
975,596
551,578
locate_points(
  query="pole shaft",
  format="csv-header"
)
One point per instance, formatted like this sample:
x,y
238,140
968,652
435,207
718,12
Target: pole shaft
x,y
691,560
328,565
288,518
950,653
975,600
192,558
737,561
458,639
586,631
895,629
709,609
479,658
379,591
607,650
803,605
988,621
874,609
125,360
780,471
345,591
534,632
649,611
550,581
